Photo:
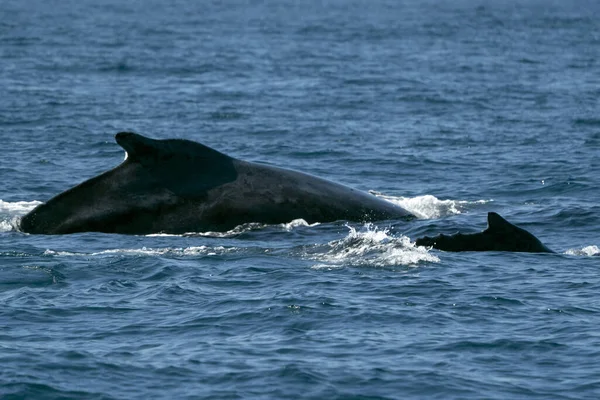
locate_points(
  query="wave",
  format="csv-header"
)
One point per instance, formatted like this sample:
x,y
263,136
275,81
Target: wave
x,y
366,246
369,246
149,251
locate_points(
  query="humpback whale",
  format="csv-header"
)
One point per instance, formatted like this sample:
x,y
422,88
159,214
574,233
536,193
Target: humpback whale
x,y
177,186
500,235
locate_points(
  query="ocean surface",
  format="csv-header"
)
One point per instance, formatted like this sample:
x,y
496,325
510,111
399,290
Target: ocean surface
x,y
450,109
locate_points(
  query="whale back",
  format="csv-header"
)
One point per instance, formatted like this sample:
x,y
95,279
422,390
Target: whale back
x,y
500,235
509,236
171,161
178,186
149,192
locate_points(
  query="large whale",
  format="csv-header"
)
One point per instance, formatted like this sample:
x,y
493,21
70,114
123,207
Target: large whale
x,y
500,235
178,186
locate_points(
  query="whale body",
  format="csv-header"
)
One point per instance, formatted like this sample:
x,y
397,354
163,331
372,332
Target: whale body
x,y
500,235
178,186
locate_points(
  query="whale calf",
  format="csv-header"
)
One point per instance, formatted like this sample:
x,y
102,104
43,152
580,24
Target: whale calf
x,y
178,186
500,235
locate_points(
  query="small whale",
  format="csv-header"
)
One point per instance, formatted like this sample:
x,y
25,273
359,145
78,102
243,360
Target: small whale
x,y
500,235
178,186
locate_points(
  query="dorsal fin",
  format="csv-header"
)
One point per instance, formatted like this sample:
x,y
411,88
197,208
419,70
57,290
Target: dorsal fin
x,y
500,235
141,148
496,223
515,238
186,168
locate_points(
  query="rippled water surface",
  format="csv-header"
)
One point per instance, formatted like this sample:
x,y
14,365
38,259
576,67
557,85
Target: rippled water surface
x,y
449,109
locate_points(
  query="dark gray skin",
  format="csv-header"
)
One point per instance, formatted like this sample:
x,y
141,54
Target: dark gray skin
x,y
178,186
500,235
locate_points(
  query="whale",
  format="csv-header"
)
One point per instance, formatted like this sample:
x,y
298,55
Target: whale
x,y
178,186
500,235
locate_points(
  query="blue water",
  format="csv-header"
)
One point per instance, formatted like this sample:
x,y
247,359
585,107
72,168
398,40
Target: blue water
x,y
450,109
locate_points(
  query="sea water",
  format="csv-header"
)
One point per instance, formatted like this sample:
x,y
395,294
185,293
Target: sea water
x,y
449,109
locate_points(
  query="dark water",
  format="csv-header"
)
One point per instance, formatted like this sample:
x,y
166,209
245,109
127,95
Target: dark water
x,y
451,109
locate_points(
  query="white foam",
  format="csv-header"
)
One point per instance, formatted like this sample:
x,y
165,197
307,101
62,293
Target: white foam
x,y
296,223
7,226
589,251
428,206
11,212
148,251
288,226
49,252
17,208
233,232
372,246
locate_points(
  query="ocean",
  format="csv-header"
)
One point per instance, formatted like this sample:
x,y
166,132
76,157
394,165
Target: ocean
x,y
449,109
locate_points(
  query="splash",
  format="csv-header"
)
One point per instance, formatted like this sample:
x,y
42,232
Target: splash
x,y
11,213
17,208
372,246
589,251
430,207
